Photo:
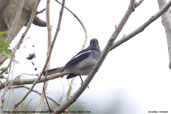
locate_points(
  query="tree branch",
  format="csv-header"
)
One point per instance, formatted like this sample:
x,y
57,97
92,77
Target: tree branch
x,y
45,83
142,27
81,23
18,81
166,21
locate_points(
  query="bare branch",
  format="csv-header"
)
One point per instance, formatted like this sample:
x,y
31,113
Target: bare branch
x,y
138,3
85,31
97,66
41,11
45,84
69,89
166,21
22,86
49,54
18,81
142,27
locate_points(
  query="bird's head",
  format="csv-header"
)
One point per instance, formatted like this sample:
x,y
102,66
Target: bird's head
x,y
94,43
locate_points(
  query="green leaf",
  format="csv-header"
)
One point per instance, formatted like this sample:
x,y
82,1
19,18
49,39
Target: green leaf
x,y
3,33
1,76
4,51
4,69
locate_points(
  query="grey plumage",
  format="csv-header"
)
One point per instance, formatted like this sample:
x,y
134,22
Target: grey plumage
x,y
81,63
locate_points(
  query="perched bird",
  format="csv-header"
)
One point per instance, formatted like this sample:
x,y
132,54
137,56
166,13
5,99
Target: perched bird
x,y
81,63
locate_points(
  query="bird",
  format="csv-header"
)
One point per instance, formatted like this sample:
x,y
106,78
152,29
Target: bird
x,y
82,63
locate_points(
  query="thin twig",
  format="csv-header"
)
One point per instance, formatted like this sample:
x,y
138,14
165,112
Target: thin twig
x,y
8,100
70,88
22,86
85,31
142,27
97,66
22,37
41,11
10,34
49,28
45,83
49,54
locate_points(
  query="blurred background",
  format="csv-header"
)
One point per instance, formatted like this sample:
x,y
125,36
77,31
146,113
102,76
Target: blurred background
x,y
134,78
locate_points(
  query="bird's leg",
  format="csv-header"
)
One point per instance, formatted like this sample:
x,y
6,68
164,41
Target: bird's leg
x,y
82,80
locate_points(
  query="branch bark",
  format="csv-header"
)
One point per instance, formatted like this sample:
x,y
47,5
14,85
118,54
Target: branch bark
x,y
166,21
18,81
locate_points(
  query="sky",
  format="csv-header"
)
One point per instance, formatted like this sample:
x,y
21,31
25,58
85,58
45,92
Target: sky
x,y
134,77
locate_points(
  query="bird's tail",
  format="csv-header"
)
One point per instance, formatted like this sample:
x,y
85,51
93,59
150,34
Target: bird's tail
x,y
52,71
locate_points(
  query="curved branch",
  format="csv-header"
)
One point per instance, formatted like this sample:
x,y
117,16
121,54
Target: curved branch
x,y
85,31
97,66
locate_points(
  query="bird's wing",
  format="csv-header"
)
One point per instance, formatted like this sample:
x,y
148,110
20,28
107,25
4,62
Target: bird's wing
x,y
77,58
70,75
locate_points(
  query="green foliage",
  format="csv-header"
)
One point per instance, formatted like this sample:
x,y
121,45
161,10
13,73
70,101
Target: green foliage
x,y
3,33
2,77
4,69
4,47
2,72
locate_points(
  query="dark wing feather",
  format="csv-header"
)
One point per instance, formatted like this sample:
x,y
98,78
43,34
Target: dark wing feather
x,y
77,58
70,75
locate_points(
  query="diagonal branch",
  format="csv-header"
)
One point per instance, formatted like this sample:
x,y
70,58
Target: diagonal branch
x,y
97,66
142,27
